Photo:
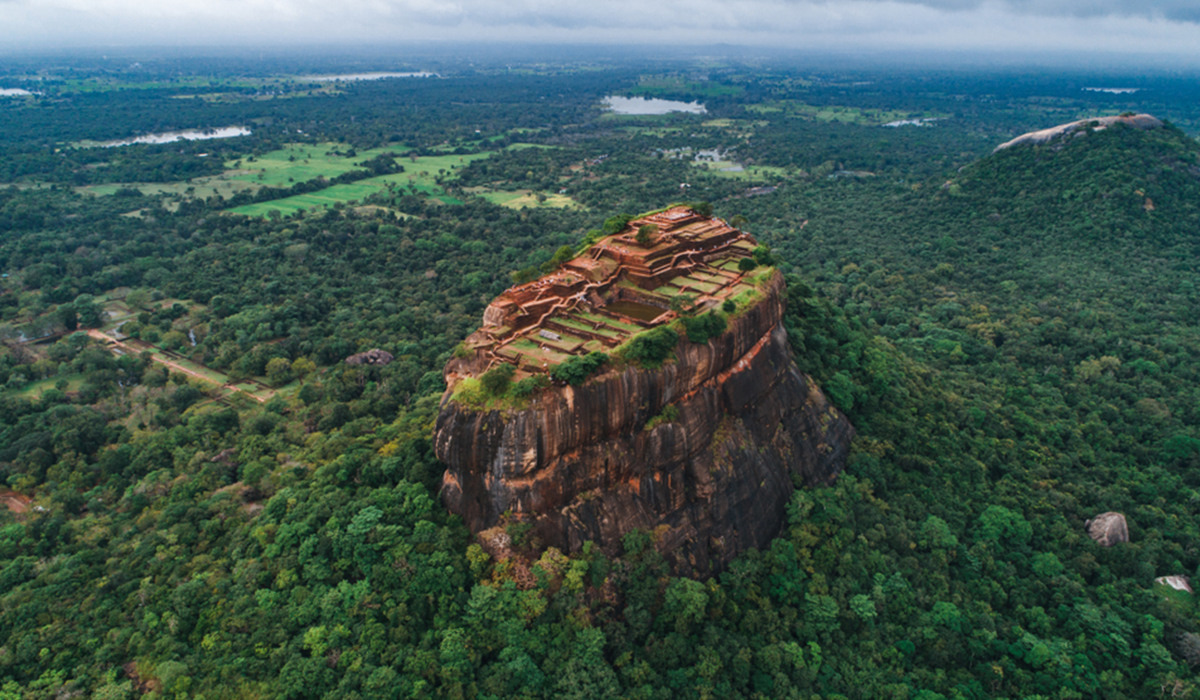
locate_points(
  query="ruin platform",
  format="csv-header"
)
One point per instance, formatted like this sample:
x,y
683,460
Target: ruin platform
x,y
618,287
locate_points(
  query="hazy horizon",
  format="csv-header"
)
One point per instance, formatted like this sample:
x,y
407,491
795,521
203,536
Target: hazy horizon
x,y
1164,30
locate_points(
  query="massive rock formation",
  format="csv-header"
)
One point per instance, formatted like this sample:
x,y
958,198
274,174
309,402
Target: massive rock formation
x,y
578,462
1079,128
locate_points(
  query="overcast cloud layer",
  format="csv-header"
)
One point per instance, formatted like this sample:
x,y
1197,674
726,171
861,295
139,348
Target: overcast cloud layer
x,y
1120,26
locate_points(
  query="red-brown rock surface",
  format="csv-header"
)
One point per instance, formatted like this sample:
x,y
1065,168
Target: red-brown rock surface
x,y
578,464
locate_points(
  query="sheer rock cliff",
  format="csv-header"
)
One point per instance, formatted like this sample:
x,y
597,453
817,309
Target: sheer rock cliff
x,y
578,464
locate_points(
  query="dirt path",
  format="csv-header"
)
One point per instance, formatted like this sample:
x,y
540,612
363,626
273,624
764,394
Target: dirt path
x,y
115,344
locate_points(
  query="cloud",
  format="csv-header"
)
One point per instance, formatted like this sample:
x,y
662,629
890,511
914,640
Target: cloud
x,y
1154,26
1173,10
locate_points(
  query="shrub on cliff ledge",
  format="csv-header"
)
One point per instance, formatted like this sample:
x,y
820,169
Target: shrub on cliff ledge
x,y
530,385
650,349
669,414
576,370
496,381
701,328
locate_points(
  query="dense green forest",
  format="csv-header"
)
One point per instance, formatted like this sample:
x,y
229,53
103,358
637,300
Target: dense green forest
x,y
1012,334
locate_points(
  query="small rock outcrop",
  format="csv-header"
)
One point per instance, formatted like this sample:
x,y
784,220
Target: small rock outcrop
x,y
371,357
1108,529
1078,128
1179,583
703,451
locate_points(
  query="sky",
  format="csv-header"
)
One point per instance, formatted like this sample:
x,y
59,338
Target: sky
x,y
1158,27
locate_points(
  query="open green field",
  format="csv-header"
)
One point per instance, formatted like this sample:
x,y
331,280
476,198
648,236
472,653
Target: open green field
x,y
609,116
34,390
739,127
834,113
300,162
420,175
224,185
103,84
265,93
521,199
303,162
647,130
263,87
254,386
206,373
756,172
652,85
313,200
280,168
116,310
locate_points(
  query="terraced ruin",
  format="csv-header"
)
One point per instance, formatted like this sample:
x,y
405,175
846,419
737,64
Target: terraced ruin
x,y
616,289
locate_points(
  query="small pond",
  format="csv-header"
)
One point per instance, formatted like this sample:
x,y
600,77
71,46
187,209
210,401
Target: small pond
x,y
633,309
646,105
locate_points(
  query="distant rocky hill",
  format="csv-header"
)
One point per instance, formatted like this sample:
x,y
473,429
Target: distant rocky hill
x,y
703,450
1116,181
1080,128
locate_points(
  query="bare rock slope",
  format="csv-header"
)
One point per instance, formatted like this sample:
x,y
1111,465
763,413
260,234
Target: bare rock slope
x,y
1081,127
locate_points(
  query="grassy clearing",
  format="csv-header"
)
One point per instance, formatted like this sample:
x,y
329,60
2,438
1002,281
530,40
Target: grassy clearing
x,y
834,113
375,209
312,200
653,85
757,172
303,162
280,168
290,388
300,162
34,390
104,84
421,174
651,131
521,199
613,116
168,302
223,185
201,371
736,127
261,96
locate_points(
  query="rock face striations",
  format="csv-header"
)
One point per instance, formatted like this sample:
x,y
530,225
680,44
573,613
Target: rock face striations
x,y
701,450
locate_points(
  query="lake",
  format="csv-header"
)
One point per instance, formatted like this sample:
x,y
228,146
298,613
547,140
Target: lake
x,y
370,76
173,136
647,105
